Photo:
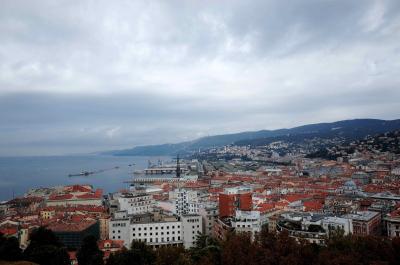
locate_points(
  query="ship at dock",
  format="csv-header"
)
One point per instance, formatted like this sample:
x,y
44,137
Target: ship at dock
x,y
162,173
160,168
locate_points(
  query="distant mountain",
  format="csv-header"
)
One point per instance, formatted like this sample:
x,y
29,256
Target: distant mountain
x,y
348,129
383,142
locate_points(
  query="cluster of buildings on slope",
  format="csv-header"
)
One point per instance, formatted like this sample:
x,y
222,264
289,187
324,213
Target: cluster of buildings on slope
x,y
308,198
71,212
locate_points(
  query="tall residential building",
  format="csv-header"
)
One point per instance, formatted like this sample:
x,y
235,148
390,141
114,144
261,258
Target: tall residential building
x,y
233,199
365,223
186,202
156,229
135,203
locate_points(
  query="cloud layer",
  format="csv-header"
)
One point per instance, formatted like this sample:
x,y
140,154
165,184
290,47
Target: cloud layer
x,y
81,76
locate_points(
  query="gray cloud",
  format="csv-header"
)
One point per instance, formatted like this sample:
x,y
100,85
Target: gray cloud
x,y
85,76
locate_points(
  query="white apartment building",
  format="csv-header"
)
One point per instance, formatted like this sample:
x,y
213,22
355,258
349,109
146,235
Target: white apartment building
x,y
247,221
186,202
156,231
135,203
209,212
192,225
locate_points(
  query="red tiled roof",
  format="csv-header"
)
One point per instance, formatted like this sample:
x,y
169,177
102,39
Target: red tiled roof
x,y
265,207
70,226
295,197
88,196
8,231
59,197
312,206
281,204
113,243
395,213
77,188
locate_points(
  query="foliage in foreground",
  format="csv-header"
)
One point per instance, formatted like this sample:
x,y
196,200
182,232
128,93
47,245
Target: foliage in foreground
x,y
268,249
237,249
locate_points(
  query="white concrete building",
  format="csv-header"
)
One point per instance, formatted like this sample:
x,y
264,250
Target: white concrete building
x,y
209,212
186,202
136,203
247,221
337,223
156,230
392,221
192,225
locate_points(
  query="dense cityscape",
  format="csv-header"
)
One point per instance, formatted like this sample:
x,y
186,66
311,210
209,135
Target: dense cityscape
x,y
228,132
240,190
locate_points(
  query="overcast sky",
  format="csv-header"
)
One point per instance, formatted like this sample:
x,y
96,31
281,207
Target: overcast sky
x,y
81,76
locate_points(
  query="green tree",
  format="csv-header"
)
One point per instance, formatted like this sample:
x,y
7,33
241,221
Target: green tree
x,y
46,249
139,254
169,255
9,249
89,253
206,250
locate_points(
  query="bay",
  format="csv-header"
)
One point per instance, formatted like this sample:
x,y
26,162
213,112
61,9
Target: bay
x,y
19,174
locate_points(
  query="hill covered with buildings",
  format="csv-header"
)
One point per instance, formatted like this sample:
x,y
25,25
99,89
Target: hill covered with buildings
x,y
346,130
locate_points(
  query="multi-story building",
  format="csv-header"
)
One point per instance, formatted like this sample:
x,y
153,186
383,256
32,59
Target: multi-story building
x,y
191,227
392,221
104,221
135,203
247,221
156,229
72,234
233,199
333,223
304,226
186,202
209,213
365,222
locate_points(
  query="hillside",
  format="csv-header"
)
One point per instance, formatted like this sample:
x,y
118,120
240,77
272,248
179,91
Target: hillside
x,y
347,129
379,143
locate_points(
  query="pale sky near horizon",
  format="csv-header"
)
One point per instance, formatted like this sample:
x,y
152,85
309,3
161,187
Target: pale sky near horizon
x,y
84,76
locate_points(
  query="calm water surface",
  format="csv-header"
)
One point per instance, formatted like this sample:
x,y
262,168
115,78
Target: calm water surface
x,y
18,174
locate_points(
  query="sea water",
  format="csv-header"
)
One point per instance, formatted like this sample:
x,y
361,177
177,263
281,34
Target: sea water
x,y
19,174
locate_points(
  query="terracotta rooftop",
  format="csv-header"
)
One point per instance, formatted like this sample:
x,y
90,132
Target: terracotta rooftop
x,y
70,226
